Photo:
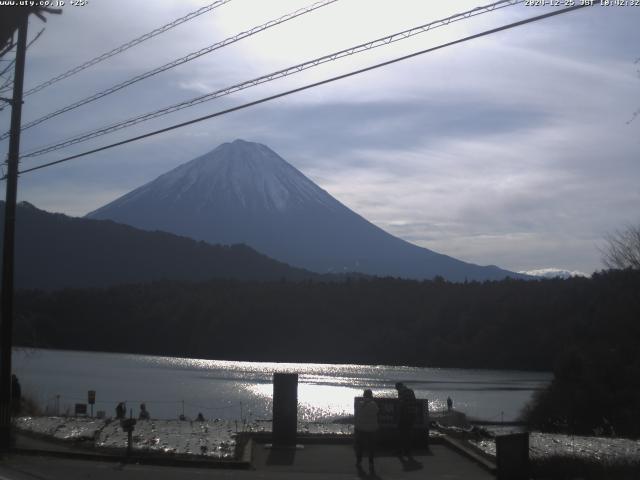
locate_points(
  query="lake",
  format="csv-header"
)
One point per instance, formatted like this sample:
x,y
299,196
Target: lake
x,y
232,390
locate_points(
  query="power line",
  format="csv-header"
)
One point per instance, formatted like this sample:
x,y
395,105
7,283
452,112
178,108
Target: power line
x,y
273,76
33,40
311,85
8,67
126,46
175,63
6,86
8,48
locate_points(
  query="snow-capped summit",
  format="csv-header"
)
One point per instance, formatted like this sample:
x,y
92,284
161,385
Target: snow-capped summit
x,y
250,175
243,192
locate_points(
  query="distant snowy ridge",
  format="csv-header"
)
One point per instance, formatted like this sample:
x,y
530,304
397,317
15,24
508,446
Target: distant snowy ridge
x,y
554,273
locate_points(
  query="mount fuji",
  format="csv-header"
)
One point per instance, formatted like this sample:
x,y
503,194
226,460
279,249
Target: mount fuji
x,y
243,192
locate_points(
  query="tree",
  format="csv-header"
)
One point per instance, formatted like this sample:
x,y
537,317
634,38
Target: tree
x,y
623,249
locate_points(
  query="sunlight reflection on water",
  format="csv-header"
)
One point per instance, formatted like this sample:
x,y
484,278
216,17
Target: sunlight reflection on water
x,y
241,390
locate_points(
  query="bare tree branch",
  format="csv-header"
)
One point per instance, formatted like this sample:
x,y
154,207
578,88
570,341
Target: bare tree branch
x,y
623,249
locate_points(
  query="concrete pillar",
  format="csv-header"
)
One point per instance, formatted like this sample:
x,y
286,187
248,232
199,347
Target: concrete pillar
x,y
285,409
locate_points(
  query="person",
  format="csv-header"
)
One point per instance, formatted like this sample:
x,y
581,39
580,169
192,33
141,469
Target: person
x,y
449,404
121,410
366,427
406,417
16,395
200,417
144,413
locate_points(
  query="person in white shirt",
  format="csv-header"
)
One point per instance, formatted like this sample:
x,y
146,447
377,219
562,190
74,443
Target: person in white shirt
x,y
366,428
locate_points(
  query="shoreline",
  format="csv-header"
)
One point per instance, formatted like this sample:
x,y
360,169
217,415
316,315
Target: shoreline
x,y
211,439
280,362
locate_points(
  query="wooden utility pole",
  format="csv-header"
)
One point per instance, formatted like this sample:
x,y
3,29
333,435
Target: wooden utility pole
x,y
9,239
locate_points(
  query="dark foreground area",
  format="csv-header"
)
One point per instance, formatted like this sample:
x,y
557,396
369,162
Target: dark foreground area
x,y
317,456
314,460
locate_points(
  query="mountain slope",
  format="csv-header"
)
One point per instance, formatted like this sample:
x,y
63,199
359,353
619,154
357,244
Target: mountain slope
x,y
55,251
243,192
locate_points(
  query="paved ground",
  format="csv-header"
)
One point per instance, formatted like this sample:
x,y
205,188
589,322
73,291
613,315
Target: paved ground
x,y
338,461
33,443
310,463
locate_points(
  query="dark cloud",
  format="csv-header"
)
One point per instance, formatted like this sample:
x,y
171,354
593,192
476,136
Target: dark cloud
x,y
388,125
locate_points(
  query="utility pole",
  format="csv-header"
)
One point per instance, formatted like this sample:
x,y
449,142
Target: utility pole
x,y
9,239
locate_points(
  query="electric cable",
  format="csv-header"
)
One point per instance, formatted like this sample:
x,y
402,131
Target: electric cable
x,y
8,67
175,63
271,76
126,46
34,39
311,85
6,86
7,49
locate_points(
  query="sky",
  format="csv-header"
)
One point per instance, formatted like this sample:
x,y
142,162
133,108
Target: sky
x,y
518,149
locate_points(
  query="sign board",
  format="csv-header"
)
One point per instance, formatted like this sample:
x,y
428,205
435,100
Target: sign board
x,y
91,397
128,424
81,409
388,412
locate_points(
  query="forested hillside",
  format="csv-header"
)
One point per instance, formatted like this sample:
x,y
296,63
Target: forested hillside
x,y
54,251
506,324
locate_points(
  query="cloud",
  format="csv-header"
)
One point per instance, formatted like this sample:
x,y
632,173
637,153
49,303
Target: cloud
x,y
511,150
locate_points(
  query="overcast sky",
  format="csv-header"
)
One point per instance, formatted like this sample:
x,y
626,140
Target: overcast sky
x,y
515,149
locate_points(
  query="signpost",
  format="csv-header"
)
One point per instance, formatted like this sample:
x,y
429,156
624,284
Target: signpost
x,y
128,425
91,399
